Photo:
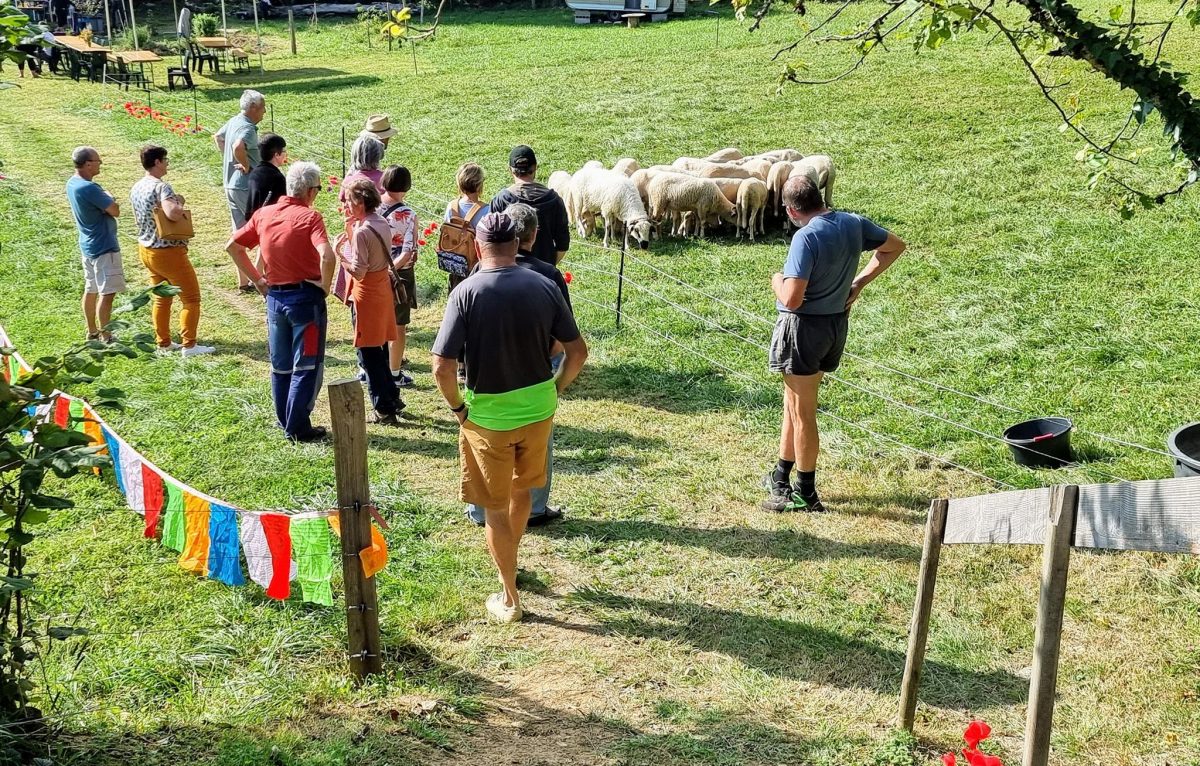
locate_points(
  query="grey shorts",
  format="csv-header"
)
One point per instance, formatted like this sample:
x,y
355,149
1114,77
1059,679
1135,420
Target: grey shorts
x,y
104,274
239,205
804,344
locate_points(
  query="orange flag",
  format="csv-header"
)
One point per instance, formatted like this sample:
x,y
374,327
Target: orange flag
x,y
374,558
195,544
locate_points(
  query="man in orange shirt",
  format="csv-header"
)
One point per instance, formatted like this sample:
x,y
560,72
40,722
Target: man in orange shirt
x,y
298,263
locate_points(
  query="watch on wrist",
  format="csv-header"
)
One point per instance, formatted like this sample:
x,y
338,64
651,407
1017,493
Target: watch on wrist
x,y
459,408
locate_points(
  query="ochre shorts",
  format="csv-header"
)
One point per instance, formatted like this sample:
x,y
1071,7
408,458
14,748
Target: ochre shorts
x,y
494,463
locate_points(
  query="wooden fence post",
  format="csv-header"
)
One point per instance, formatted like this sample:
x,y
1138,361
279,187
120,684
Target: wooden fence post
x,y
348,418
918,631
1060,534
292,29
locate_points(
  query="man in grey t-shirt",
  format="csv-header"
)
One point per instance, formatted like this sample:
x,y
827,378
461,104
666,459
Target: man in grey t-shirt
x,y
238,141
813,296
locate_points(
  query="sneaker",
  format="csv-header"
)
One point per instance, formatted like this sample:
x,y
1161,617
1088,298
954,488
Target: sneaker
x,y
389,419
196,350
501,613
551,513
167,350
806,503
779,497
317,434
402,380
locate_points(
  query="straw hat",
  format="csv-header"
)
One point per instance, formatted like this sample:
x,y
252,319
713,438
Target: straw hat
x,y
379,126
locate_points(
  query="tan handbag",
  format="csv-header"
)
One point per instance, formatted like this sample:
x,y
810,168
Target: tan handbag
x,y
165,228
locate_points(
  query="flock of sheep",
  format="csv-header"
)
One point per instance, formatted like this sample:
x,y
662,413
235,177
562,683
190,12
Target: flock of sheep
x,y
688,195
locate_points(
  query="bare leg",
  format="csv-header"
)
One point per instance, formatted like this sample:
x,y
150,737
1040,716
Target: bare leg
x,y
801,399
396,347
89,312
504,530
787,430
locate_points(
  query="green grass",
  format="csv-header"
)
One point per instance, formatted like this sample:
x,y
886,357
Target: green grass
x,y
675,623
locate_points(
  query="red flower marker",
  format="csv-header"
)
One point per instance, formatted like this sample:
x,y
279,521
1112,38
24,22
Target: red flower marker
x,y
567,277
949,760
421,242
976,732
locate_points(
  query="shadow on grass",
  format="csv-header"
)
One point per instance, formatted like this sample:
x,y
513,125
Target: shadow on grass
x,y
300,81
585,450
739,542
798,650
466,719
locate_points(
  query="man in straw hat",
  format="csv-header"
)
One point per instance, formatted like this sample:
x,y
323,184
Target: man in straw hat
x,y
379,126
502,321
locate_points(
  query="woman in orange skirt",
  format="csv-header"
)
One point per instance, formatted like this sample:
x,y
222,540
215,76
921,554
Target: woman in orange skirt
x,y
367,259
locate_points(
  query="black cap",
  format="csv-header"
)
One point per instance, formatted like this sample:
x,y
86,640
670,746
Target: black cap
x,y
522,159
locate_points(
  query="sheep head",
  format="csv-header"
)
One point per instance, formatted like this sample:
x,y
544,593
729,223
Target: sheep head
x,y
641,230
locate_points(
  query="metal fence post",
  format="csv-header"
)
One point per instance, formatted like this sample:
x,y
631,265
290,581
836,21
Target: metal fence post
x,y
343,147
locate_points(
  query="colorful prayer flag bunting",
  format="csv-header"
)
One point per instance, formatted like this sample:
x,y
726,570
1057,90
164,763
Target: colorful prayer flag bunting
x,y
374,557
211,537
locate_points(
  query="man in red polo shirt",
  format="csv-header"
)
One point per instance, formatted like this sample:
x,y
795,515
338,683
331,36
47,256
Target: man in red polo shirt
x,y
299,263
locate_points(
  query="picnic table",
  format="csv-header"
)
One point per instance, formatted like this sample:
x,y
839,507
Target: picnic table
x,y
79,45
141,59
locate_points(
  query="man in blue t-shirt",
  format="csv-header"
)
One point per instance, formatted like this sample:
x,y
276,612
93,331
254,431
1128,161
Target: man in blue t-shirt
x,y
96,219
813,296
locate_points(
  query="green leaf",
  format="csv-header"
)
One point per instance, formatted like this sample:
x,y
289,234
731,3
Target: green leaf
x,y
50,501
35,516
1115,13
14,584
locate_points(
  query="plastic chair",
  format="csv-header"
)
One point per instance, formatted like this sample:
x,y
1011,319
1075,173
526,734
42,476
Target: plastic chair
x,y
198,58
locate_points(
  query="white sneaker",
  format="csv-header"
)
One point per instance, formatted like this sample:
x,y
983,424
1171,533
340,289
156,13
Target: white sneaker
x,y
501,613
167,350
197,350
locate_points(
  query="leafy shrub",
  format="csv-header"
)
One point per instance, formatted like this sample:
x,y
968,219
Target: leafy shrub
x,y
206,24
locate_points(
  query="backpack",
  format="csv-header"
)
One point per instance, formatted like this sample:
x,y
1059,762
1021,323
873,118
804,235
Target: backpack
x,y
456,243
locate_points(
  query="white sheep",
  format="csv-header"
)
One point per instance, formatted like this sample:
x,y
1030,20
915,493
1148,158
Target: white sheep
x,y
818,167
759,168
591,164
751,204
615,197
691,164
643,176
673,195
778,176
725,155
729,187
723,170
626,165
780,155
560,181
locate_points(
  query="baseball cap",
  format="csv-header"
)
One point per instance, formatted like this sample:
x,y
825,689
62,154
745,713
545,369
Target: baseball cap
x,y
496,227
522,159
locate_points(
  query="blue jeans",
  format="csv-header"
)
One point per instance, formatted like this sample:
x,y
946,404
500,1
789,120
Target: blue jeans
x,y
539,496
296,324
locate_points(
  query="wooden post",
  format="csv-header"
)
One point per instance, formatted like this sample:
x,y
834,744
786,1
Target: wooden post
x,y
1060,534
292,29
348,417
918,631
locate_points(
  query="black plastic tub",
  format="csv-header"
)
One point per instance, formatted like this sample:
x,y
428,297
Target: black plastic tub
x,y
1184,445
1041,443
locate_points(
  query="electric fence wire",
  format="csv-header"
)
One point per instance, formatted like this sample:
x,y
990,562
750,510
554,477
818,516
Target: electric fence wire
x,y
866,360
823,411
912,408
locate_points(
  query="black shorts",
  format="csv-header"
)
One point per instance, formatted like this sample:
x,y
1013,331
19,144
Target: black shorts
x,y
404,310
803,344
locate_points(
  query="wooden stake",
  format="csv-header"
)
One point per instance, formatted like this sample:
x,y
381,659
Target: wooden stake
x,y
1060,533
348,414
918,631
292,29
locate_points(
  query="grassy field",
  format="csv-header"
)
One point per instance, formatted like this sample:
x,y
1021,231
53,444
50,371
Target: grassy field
x,y
673,623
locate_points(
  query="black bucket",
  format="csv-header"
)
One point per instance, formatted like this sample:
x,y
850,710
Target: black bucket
x,y
1041,443
1184,445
